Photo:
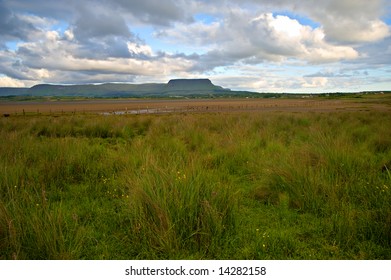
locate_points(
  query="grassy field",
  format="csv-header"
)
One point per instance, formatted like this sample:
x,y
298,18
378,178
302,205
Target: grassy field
x,y
243,185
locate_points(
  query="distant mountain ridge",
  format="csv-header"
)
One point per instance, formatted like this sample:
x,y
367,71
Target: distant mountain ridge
x,y
175,87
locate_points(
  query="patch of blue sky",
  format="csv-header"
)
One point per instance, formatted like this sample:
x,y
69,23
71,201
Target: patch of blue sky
x,y
303,20
60,27
387,14
387,19
205,18
12,45
381,72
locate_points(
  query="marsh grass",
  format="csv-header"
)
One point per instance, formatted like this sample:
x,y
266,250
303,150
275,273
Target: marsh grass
x,y
196,186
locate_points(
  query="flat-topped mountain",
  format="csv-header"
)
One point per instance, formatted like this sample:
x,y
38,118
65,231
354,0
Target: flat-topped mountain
x,y
175,87
177,82
191,83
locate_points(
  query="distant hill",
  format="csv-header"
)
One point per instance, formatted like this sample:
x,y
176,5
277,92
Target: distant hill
x,y
174,88
11,91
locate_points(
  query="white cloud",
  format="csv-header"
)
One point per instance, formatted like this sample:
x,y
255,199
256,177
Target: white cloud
x,y
68,35
9,82
353,21
285,26
353,31
315,82
139,49
251,38
286,37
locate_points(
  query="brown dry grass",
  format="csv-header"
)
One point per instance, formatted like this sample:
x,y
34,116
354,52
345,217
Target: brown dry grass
x,y
192,105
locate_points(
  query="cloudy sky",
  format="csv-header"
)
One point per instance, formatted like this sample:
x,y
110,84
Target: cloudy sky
x,y
258,45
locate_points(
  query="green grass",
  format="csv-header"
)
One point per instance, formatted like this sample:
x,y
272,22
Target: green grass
x,y
196,186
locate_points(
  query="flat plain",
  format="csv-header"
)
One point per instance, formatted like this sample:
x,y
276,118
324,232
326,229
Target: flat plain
x,y
202,105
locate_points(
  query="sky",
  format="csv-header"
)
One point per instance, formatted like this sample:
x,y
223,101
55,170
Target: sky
x,y
309,46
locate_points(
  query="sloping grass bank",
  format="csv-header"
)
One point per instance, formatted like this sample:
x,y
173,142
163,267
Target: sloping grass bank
x,y
196,186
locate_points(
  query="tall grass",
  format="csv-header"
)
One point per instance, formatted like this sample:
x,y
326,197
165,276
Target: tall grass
x,y
239,186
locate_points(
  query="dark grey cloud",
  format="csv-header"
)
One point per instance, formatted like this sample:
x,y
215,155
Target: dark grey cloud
x,y
376,53
60,10
100,33
97,24
87,77
206,62
109,47
13,27
13,67
156,11
149,11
